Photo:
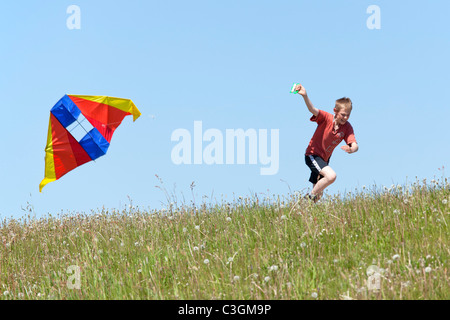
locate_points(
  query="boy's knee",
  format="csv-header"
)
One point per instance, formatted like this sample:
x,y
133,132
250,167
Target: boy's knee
x,y
333,177
330,175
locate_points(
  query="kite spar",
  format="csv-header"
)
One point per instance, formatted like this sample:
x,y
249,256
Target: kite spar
x,y
64,152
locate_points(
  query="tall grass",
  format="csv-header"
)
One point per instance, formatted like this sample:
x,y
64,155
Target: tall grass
x,y
258,247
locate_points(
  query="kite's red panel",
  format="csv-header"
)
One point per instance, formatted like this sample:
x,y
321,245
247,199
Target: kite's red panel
x,y
67,152
103,117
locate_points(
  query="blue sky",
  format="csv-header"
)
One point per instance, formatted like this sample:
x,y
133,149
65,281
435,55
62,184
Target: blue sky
x,y
230,65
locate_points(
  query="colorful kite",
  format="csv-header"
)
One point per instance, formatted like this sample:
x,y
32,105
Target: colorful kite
x,y
64,152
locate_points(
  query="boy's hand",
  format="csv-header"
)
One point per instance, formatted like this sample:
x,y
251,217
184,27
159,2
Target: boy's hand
x,y
347,149
350,149
301,90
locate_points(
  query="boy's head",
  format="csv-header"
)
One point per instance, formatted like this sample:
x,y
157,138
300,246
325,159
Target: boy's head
x,y
342,110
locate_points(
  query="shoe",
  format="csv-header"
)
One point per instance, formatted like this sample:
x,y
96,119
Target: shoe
x,y
311,197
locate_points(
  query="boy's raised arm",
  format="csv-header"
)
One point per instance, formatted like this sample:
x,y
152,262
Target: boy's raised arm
x,y
302,91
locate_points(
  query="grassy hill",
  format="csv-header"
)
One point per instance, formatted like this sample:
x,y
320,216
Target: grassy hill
x,y
391,243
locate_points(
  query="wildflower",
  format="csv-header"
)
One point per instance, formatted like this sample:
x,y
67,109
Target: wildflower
x,y
230,259
283,217
372,270
396,257
139,270
444,201
405,284
195,248
206,261
302,244
314,295
273,268
184,230
6,293
228,219
236,278
197,227
427,269
267,279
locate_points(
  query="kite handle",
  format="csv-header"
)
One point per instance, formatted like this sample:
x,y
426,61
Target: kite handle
x,y
293,88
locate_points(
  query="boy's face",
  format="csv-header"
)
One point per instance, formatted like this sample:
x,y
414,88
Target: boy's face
x,y
342,115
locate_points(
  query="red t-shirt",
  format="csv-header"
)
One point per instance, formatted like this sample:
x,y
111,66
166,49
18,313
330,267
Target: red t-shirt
x,y
325,139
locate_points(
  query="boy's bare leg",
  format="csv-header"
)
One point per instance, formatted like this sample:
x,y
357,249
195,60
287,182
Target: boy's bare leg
x,y
317,196
329,176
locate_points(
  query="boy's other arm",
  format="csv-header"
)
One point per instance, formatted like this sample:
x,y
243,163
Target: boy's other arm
x,y
302,91
352,148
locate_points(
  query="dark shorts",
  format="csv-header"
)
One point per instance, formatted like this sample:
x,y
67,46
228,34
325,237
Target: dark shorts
x,y
316,164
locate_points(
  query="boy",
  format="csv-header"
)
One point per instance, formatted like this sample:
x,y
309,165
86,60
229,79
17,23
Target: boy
x,y
331,130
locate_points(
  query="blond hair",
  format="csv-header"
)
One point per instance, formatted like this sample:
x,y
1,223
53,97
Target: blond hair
x,y
344,103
